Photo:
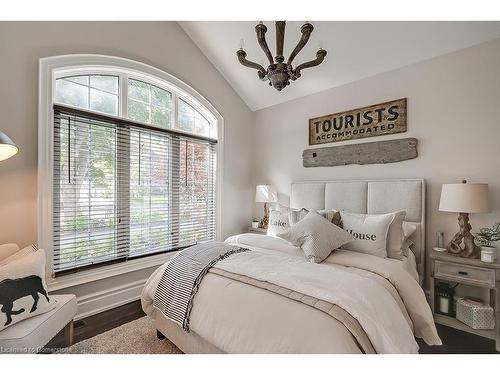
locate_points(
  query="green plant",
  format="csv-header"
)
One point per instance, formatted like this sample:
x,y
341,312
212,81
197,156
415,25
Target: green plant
x,y
487,236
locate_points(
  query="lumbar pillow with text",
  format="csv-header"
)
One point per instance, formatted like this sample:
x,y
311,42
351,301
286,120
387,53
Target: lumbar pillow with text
x,y
370,232
278,220
23,291
316,236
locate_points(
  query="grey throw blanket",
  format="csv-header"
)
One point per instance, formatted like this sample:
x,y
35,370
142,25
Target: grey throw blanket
x,y
182,278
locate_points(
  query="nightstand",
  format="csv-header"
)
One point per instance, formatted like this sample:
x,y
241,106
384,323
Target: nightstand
x,y
257,230
473,272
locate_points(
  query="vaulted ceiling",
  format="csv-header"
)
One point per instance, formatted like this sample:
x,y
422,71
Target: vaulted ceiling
x,y
355,50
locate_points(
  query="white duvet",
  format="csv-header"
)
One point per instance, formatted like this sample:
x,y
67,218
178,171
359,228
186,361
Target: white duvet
x,y
238,318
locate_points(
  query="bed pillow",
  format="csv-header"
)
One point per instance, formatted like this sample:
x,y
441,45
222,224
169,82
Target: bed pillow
x,y
409,229
316,236
23,291
370,232
395,237
296,215
278,221
332,216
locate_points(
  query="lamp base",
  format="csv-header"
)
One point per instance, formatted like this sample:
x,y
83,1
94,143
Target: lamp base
x,y
469,248
264,222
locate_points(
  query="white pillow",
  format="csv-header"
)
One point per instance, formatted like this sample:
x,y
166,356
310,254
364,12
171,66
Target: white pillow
x,y
23,291
409,229
20,253
395,237
278,221
369,231
316,236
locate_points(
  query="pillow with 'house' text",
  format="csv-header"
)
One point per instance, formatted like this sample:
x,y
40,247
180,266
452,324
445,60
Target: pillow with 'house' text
x,y
369,231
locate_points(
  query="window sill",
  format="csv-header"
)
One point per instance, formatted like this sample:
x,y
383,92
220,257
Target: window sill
x,y
104,272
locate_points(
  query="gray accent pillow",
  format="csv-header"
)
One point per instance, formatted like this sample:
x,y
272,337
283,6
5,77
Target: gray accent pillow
x,y
296,215
316,236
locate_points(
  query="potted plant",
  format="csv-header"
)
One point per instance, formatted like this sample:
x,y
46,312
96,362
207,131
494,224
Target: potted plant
x,y
485,239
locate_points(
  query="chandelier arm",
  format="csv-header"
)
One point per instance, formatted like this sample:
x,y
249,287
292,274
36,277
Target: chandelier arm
x,y
280,39
260,30
250,64
320,55
306,30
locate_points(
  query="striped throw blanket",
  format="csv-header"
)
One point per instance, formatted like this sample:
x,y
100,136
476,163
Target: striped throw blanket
x,y
182,278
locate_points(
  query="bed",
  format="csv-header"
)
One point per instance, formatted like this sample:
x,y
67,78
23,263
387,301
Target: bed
x,y
270,300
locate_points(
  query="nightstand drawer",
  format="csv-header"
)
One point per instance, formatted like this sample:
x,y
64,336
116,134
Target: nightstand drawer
x,y
459,272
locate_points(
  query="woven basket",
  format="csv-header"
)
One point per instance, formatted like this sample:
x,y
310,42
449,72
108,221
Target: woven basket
x,y
475,315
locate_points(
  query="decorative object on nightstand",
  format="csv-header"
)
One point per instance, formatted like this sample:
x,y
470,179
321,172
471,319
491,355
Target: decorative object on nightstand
x,y
7,147
485,238
265,194
448,268
255,223
464,198
475,313
445,293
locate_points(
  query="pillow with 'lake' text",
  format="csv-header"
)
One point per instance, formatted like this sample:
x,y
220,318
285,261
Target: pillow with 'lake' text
x,y
278,221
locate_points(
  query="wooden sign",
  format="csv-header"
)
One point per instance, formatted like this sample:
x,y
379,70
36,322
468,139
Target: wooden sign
x,y
380,152
371,121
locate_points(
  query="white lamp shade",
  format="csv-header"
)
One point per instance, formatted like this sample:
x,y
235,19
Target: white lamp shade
x,y
266,194
7,147
465,197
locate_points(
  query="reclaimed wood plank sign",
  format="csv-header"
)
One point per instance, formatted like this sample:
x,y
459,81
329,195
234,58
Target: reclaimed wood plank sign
x,y
362,153
378,119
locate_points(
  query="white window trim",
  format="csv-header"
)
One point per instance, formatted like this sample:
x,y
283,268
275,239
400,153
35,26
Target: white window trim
x,y
51,68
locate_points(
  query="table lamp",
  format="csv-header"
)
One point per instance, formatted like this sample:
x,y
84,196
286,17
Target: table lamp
x,y
7,147
265,194
464,198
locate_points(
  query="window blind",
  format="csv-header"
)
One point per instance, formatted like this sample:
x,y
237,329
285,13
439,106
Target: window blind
x,y
124,189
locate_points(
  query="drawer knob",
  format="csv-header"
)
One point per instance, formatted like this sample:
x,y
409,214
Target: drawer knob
x,y
463,273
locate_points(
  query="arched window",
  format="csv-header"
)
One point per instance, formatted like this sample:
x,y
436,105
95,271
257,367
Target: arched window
x,y
134,164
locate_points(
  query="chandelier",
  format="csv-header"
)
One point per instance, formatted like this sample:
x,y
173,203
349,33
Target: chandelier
x,y
279,73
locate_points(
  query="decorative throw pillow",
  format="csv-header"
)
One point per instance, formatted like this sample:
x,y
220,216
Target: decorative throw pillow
x,y
332,216
369,231
278,221
316,236
296,215
23,291
20,253
395,237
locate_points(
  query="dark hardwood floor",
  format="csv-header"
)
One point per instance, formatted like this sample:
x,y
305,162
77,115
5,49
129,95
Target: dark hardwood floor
x,y
454,342
100,323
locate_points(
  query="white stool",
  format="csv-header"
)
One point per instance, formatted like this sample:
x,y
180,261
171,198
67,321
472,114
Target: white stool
x,y
32,334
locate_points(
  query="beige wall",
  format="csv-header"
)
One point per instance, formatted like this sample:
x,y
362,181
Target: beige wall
x,y
453,111
160,44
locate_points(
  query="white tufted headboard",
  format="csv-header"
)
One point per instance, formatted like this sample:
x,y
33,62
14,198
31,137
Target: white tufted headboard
x,y
369,197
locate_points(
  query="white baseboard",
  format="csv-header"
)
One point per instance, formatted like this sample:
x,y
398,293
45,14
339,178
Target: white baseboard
x,y
103,300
